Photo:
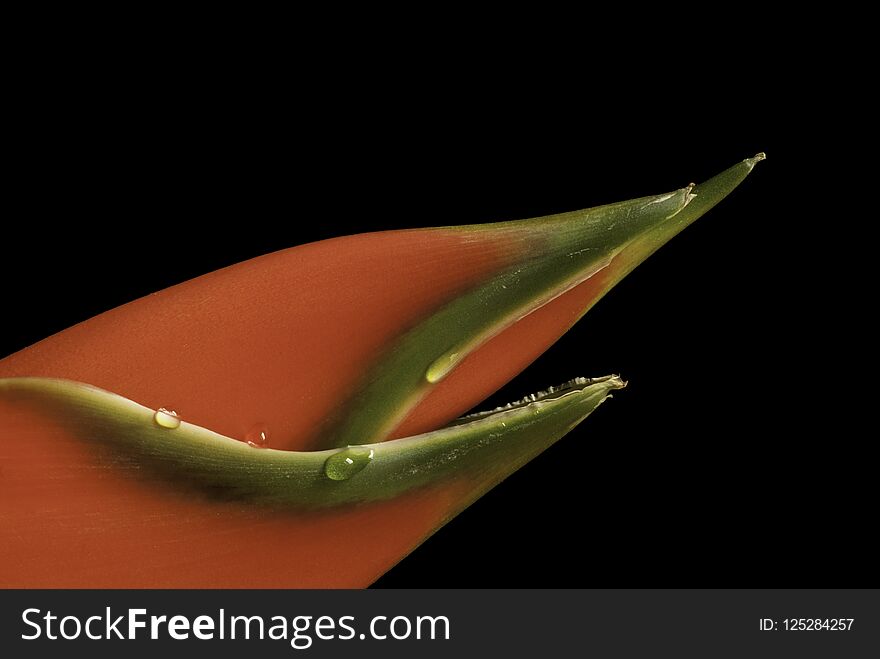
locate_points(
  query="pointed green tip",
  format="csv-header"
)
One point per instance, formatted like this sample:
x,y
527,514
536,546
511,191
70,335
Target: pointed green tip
x,y
758,157
707,194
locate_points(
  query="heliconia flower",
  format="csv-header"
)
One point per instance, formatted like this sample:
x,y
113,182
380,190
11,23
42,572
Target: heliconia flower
x,y
319,391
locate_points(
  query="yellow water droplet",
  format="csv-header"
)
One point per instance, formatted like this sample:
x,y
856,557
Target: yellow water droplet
x,y
166,418
442,366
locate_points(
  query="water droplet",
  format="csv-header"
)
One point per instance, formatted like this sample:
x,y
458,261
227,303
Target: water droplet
x,y
347,462
166,418
442,366
258,436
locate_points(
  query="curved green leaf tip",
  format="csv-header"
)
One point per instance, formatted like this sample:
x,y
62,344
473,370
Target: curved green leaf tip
x,y
561,251
484,448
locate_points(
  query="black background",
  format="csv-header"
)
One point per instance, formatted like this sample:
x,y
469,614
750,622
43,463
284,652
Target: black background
x,y
710,469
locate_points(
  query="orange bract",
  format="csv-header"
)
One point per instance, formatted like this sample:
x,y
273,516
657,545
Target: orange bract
x,y
277,340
